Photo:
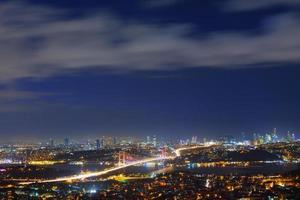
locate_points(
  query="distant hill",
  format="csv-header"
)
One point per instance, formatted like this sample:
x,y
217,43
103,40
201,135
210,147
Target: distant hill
x,y
294,172
253,155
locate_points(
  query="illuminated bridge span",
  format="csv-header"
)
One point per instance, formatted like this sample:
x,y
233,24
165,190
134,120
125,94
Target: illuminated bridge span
x,y
106,171
93,174
177,151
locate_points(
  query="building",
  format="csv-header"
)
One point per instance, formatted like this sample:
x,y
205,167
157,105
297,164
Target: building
x,y
66,142
290,137
51,143
274,135
148,141
98,144
268,138
194,140
102,142
115,141
154,141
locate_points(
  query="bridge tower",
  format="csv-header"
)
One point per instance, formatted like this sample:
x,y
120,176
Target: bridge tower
x,y
122,158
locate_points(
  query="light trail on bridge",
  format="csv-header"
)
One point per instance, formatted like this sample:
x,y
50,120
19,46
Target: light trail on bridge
x,y
177,151
106,171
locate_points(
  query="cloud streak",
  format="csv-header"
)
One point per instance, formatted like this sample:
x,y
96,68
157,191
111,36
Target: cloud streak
x,y
159,3
243,5
39,42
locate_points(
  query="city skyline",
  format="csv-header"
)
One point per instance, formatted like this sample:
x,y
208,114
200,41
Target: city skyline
x,y
162,67
99,141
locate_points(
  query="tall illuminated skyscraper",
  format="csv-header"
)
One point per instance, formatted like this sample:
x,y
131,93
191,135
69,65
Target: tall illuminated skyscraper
x,y
148,140
274,135
194,140
290,137
268,138
102,142
154,141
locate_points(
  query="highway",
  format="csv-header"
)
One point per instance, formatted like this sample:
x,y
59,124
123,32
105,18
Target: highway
x,y
99,173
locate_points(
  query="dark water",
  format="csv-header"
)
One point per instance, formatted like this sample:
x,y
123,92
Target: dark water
x,y
76,169
149,169
261,168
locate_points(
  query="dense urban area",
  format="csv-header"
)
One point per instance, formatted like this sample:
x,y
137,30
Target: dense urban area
x,y
263,167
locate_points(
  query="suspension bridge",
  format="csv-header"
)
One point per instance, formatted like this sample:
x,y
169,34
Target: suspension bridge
x,y
121,165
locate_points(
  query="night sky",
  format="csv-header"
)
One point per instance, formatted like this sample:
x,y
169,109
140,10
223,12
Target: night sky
x,y
174,68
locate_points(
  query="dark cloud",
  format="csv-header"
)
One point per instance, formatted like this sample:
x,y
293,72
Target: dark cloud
x,y
36,42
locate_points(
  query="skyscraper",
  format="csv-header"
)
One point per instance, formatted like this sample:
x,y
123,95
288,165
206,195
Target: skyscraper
x,y
254,136
194,140
102,142
290,137
274,135
268,138
148,140
66,142
98,144
154,141
51,143
293,137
